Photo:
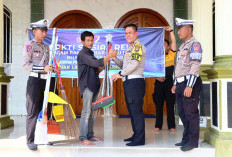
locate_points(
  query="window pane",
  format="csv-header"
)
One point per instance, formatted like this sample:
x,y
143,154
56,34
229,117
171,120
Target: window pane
x,y
7,36
214,104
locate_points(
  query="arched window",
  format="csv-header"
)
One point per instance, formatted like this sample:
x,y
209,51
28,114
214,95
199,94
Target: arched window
x,y
7,36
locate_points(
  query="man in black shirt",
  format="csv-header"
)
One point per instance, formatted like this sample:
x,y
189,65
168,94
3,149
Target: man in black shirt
x,y
89,68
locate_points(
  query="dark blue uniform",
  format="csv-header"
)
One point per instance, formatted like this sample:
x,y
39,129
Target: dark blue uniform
x,y
134,90
187,75
188,111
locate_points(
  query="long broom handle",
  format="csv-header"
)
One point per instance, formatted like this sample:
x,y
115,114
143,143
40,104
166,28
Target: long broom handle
x,y
108,90
56,77
53,103
61,84
47,86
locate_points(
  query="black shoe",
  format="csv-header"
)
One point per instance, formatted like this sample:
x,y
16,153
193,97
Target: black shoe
x,y
135,144
50,143
129,139
187,147
181,143
32,146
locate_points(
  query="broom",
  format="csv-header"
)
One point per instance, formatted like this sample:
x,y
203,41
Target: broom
x,y
70,125
106,99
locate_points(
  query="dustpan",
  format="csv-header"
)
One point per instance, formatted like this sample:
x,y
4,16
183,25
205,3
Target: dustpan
x,y
58,113
53,127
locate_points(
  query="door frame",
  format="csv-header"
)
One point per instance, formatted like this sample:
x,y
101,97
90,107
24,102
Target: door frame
x,y
140,10
54,22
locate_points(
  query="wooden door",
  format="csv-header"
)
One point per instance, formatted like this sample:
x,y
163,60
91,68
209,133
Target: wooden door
x,y
74,19
141,18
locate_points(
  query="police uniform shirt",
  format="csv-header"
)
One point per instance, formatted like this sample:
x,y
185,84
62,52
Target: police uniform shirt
x,y
35,56
188,61
133,60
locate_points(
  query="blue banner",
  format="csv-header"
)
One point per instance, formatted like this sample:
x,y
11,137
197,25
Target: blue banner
x,y
151,38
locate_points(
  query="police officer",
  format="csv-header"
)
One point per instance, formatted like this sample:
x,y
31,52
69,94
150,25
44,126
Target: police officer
x,y
187,84
133,83
163,85
35,60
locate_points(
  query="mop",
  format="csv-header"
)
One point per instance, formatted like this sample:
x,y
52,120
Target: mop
x,y
41,125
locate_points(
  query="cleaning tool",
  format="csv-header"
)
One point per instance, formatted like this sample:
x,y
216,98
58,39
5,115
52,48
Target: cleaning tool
x,y
41,125
106,99
70,125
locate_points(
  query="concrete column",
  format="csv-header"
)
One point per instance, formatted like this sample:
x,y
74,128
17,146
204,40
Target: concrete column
x,y
223,27
202,31
220,76
203,24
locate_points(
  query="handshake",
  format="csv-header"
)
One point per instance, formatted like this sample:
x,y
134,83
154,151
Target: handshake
x,y
113,53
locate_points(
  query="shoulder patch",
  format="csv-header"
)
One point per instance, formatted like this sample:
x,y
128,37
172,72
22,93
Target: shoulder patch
x,y
137,52
196,51
28,47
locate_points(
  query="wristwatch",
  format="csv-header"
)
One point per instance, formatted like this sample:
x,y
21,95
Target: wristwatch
x,y
120,73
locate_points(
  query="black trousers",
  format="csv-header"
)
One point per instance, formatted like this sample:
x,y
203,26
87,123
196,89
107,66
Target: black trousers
x,y
188,111
134,90
162,91
34,103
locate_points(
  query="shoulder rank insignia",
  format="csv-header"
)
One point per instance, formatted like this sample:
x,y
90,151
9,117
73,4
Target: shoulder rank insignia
x,y
137,52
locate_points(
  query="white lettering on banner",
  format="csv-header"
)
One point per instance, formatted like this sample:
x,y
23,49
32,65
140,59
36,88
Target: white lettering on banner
x,y
64,52
65,62
74,52
80,47
70,47
121,47
117,47
99,47
202,122
71,57
99,53
120,52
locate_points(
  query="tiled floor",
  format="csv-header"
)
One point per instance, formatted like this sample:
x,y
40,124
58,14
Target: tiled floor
x,y
111,130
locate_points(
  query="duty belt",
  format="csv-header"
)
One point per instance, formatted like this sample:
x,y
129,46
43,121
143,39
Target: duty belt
x,y
182,79
128,77
38,75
